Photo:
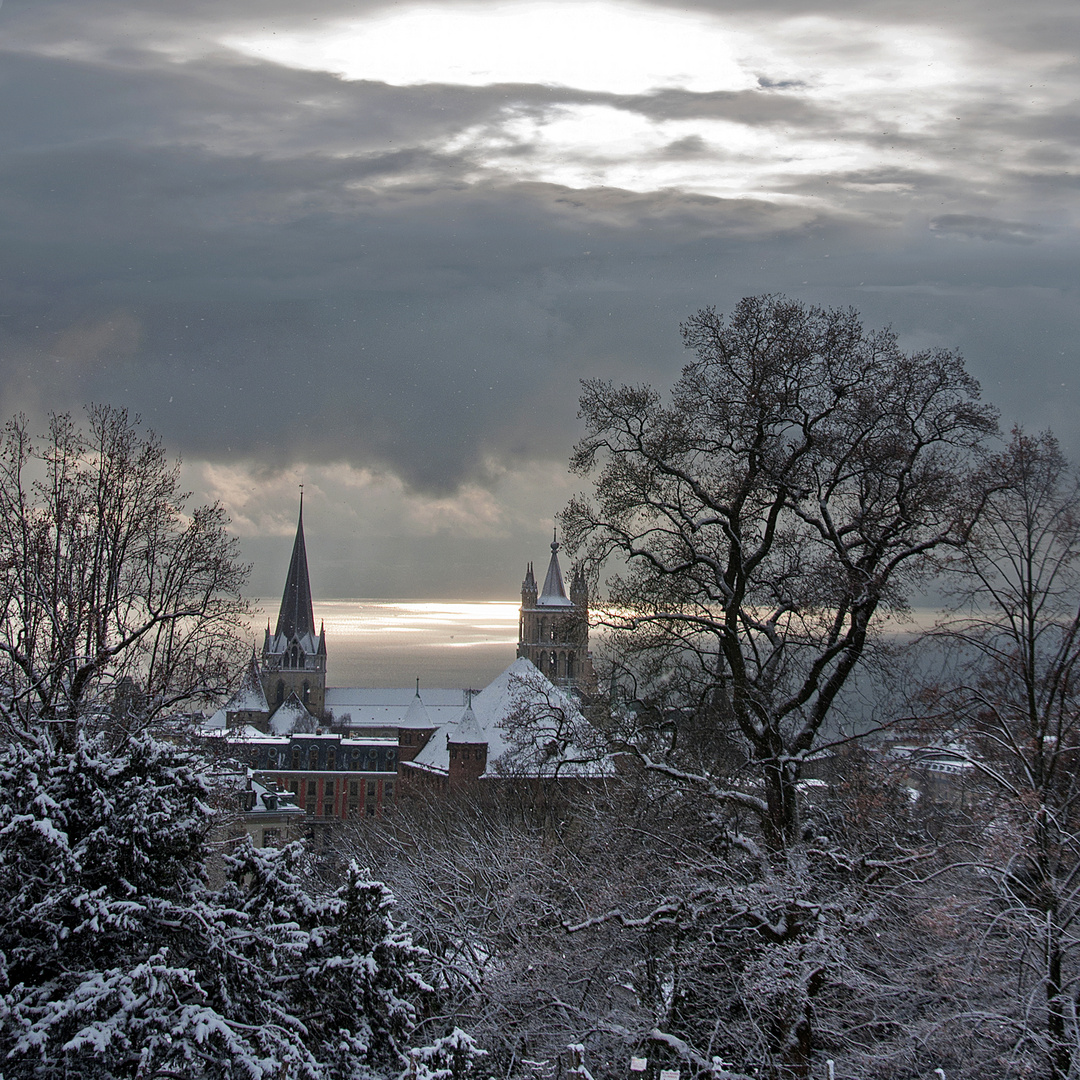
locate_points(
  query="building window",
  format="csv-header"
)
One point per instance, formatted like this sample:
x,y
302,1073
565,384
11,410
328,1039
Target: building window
x,y
388,790
313,758
296,757
453,753
328,790
354,788
294,787
371,789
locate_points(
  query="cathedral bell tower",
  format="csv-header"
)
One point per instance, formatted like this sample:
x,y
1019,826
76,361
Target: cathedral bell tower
x,y
293,657
553,628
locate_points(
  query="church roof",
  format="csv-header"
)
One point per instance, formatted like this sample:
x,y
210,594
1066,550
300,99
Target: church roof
x,y
490,718
554,592
296,617
249,696
292,716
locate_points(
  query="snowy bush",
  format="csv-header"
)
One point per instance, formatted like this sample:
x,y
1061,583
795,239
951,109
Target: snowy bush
x,y
117,959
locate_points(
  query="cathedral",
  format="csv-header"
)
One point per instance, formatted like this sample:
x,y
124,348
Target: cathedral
x,y
343,752
553,633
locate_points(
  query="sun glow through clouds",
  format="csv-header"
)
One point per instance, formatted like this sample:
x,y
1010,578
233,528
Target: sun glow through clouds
x,y
823,95
602,46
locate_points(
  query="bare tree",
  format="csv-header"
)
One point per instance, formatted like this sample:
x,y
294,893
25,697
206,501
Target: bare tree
x,y
769,518
112,592
1015,703
773,513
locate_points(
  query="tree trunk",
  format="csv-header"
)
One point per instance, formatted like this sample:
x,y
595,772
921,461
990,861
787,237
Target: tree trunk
x,y
1060,1055
781,826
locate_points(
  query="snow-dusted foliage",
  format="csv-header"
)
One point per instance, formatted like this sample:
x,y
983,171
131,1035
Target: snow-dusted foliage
x,y
117,959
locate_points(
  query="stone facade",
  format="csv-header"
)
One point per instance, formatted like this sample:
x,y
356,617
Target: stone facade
x,y
553,628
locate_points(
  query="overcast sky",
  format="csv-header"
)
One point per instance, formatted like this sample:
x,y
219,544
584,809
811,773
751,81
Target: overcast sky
x,y
373,246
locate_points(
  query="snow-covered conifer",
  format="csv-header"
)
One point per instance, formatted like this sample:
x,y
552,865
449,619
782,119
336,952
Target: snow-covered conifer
x,y
117,959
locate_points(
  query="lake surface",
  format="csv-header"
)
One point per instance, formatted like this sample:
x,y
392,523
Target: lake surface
x,y
444,643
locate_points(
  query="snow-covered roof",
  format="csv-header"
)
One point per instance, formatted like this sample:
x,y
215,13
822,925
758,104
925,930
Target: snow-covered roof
x,y
216,724
511,695
467,729
393,707
292,716
248,734
416,716
246,731
271,801
249,697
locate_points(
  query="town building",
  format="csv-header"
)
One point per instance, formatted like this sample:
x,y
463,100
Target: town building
x,y
341,753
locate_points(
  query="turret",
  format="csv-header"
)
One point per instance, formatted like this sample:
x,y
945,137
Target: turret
x,y
528,588
468,750
579,590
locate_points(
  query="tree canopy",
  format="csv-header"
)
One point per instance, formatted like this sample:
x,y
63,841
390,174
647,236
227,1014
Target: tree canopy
x,y
770,511
108,581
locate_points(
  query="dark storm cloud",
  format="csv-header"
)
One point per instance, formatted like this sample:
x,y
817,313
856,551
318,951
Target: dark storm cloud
x,y
278,267
421,330
987,228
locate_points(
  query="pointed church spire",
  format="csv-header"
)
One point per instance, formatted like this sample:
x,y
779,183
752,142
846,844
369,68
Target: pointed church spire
x,y
296,617
554,591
